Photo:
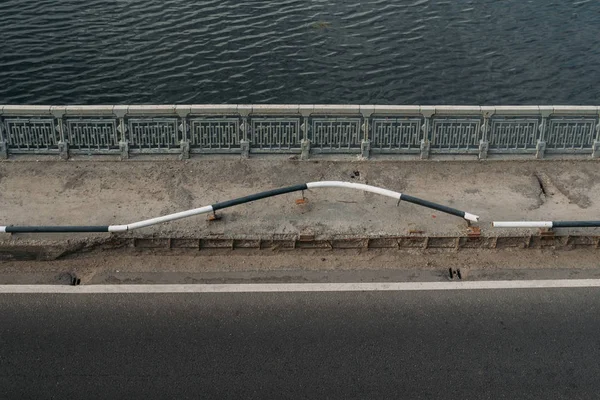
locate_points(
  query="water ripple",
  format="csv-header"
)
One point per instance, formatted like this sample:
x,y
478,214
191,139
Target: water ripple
x,y
299,51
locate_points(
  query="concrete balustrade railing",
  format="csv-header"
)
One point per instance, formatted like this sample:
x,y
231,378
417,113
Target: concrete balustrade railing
x,y
301,129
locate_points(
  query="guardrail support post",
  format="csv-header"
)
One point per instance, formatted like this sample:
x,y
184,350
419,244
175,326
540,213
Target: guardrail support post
x,y
183,112
483,149
304,127
244,112
124,148
63,144
540,147
365,148
185,150
596,149
245,148
596,144
3,146
425,128
484,142
305,148
365,144
119,112
425,149
3,150
63,149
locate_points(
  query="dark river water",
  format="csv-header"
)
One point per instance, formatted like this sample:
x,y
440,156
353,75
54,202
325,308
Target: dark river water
x,y
300,51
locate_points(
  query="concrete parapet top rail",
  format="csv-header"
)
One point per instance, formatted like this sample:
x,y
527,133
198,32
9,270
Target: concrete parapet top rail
x,y
289,109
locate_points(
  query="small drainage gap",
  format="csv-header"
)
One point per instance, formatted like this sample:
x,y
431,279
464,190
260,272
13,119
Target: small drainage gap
x,y
75,280
454,274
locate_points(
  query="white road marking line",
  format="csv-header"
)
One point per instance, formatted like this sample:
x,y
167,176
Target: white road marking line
x,y
302,287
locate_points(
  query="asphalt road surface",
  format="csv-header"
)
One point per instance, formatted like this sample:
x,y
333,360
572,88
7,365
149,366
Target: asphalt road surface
x,y
463,344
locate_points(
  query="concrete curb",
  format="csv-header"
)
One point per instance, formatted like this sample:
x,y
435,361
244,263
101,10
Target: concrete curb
x,y
24,250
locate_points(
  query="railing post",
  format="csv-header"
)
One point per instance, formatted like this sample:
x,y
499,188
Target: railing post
x,y
305,149
183,112
596,145
365,145
365,148
63,143
244,112
3,145
120,112
427,114
245,148
540,147
305,112
484,143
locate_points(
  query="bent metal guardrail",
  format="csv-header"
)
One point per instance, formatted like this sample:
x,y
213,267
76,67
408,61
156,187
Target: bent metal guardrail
x,y
299,129
218,206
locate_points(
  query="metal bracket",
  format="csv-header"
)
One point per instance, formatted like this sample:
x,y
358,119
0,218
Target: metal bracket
x,y
302,200
214,217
